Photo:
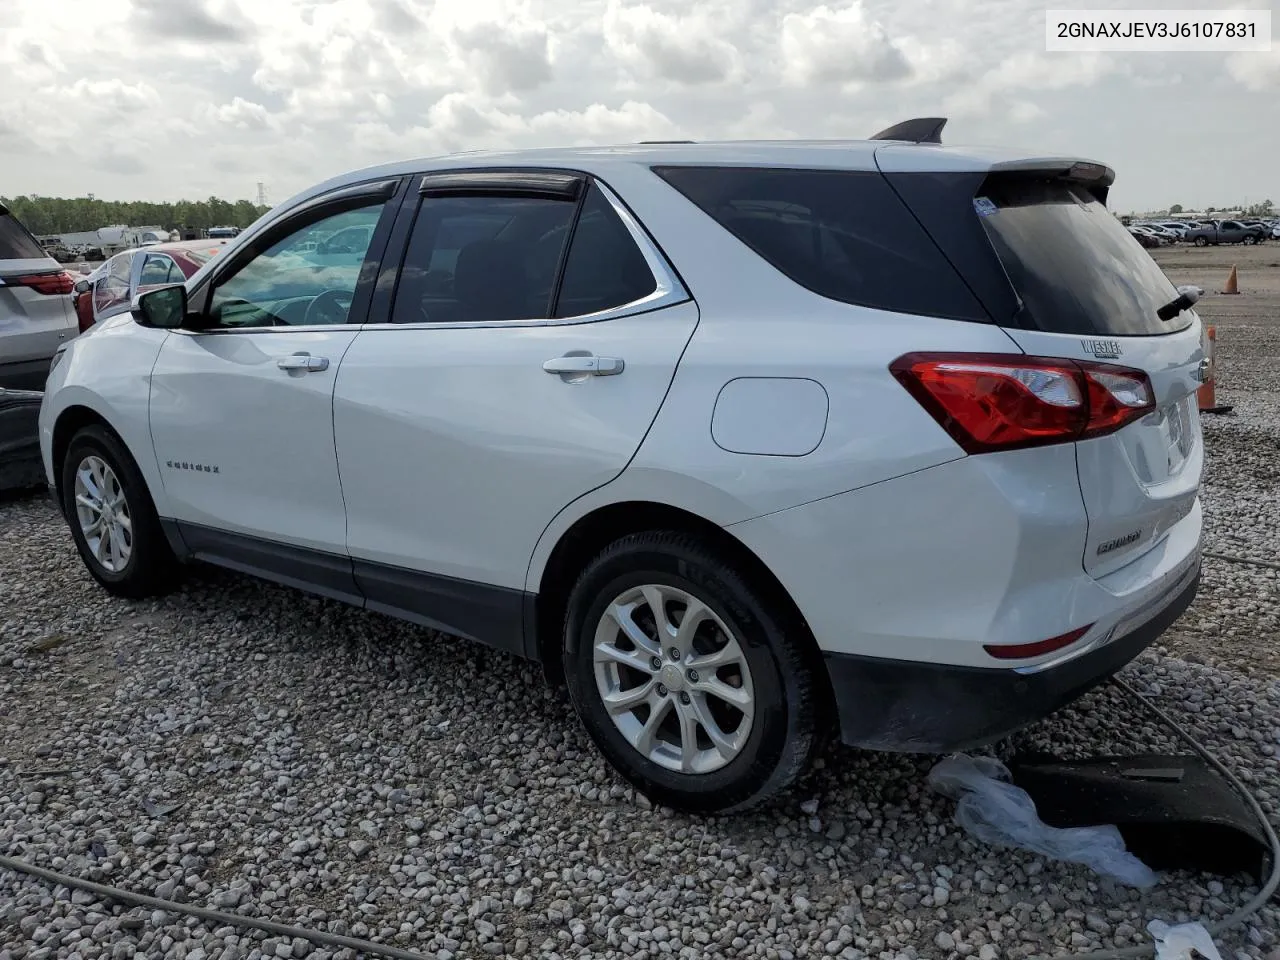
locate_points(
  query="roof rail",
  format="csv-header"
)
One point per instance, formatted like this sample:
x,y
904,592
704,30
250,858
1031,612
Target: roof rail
x,y
664,141
917,130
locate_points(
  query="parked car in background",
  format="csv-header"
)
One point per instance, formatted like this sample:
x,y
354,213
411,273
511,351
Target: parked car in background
x,y
1148,238
1176,227
1164,233
1225,231
686,424
36,316
110,289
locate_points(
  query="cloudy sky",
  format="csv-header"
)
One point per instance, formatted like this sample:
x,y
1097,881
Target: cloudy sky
x,y
162,99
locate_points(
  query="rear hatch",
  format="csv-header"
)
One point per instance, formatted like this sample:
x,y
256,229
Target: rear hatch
x,y
1063,278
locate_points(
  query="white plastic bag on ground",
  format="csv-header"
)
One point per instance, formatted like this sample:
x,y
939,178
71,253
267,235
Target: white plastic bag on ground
x,y
1186,941
993,810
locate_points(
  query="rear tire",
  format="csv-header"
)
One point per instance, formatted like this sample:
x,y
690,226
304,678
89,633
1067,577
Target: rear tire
x,y
113,519
1202,241
714,718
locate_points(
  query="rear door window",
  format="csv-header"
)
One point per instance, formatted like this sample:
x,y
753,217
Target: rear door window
x,y
482,258
842,234
1074,266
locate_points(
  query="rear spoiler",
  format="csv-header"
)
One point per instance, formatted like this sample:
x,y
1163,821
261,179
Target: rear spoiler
x,y
1097,178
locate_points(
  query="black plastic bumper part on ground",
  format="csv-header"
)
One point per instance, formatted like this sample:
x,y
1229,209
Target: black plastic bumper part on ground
x,y
936,708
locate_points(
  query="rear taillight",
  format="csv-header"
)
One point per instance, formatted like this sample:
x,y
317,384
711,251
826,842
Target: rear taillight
x,y
1004,401
47,283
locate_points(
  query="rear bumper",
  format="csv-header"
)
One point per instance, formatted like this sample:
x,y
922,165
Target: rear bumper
x,y
936,708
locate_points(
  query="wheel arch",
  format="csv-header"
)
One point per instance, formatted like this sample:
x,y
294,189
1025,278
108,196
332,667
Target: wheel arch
x,y
591,533
70,421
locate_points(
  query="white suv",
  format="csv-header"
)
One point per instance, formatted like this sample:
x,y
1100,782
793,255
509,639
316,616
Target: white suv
x,y
745,442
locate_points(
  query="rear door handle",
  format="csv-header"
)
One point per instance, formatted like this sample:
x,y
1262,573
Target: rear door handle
x,y
585,366
304,362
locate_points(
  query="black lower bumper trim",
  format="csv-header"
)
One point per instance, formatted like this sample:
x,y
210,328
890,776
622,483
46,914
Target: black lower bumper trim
x,y
902,705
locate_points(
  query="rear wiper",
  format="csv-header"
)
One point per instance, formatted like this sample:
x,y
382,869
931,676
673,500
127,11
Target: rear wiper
x,y
1187,297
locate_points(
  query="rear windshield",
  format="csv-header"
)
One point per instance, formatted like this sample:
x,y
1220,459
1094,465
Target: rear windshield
x,y
15,242
1076,268
842,234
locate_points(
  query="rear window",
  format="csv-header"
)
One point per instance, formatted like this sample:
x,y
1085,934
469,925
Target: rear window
x,y
15,242
842,234
1075,267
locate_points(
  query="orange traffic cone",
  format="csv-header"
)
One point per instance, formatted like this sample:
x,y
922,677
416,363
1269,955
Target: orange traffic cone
x,y
1232,285
1206,393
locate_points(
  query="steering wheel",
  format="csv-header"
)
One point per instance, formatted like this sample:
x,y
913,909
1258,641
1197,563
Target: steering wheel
x,y
329,307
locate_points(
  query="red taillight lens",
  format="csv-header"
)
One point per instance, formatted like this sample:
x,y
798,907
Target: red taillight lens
x,y
48,283
1002,402
1024,651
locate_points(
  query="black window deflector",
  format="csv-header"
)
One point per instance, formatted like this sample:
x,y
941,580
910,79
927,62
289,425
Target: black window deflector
x,y
552,186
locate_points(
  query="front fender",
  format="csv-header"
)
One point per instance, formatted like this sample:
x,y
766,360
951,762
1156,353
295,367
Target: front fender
x,y
108,375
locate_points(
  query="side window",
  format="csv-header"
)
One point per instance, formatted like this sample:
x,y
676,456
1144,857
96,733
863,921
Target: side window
x,y
605,268
306,278
482,258
159,270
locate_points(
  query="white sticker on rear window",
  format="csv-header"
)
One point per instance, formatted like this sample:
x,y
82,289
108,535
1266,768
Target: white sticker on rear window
x,y
984,206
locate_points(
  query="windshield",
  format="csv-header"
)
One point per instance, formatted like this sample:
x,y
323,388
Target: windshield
x,y
1076,268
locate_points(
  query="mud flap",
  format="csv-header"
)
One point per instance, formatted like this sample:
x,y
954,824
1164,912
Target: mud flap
x,y
1174,812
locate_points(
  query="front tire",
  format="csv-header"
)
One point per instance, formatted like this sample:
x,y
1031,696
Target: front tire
x,y
697,690
112,517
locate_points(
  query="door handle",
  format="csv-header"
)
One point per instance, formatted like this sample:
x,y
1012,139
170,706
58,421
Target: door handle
x,y
304,362
590,366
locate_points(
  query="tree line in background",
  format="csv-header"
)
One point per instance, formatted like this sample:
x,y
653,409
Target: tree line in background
x,y
1264,209
52,215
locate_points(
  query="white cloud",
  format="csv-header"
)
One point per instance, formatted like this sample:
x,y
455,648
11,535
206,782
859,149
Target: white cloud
x,y
839,45
1257,71
684,49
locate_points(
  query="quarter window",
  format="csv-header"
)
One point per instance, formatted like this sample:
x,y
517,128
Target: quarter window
x,y
306,278
605,269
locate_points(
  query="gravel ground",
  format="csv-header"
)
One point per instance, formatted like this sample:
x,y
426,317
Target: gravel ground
x,y
241,746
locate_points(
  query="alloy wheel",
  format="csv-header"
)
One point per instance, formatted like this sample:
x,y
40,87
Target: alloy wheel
x,y
673,678
103,514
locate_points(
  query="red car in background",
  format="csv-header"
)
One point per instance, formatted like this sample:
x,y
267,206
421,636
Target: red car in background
x,y
110,289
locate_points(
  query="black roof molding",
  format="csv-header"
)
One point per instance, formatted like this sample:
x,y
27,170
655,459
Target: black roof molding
x,y
917,130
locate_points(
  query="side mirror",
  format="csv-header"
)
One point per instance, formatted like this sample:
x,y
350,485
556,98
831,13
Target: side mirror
x,y
82,286
163,308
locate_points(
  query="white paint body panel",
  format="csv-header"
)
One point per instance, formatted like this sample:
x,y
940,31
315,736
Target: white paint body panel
x,y
770,416
218,399
107,370
457,448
